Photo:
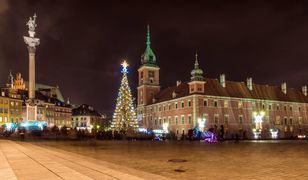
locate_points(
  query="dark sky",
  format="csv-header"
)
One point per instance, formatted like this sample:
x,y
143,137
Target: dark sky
x,y
83,42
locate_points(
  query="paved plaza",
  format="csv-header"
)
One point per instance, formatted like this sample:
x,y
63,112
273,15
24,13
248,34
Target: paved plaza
x,y
153,160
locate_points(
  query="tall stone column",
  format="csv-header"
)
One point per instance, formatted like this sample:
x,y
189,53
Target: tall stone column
x,y
31,90
31,42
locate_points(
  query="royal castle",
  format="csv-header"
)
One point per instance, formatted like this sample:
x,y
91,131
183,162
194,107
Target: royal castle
x,y
248,109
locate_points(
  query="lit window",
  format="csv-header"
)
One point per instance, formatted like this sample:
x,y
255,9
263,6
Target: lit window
x,y
240,104
226,104
300,120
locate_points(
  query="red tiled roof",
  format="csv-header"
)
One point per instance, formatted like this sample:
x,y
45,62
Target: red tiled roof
x,y
235,89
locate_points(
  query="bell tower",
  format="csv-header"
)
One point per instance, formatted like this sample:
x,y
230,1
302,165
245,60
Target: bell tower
x,y
148,77
196,85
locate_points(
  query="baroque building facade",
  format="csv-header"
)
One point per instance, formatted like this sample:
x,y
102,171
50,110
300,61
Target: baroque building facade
x,y
235,106
85,117
51,107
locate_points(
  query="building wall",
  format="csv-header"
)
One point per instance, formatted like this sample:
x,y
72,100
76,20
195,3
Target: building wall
x,y
63,116
10,108
4,109
235,114
87,122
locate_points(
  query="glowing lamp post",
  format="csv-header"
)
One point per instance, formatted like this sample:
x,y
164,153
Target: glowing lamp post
x,y
201,124
258,117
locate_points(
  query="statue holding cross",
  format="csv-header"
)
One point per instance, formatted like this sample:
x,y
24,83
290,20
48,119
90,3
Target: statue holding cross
x,y
32,25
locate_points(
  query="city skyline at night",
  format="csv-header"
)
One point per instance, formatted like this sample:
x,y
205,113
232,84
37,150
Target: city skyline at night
x,y
262,40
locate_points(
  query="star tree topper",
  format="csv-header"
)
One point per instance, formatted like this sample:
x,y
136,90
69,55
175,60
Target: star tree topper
x,y
124,67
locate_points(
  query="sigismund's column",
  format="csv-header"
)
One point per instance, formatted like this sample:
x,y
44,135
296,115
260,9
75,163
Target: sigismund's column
x,y
32,42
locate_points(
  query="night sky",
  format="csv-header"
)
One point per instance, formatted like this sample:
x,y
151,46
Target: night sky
x,y
84,42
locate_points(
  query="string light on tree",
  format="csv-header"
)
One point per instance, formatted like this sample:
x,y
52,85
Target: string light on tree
x,y
124,117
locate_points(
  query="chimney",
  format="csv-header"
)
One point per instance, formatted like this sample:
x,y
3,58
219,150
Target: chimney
x,y
249,83
284,87
178,83
222,79
304,90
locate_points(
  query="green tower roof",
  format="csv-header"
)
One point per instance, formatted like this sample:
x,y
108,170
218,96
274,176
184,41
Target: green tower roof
x,y
148,57
197,73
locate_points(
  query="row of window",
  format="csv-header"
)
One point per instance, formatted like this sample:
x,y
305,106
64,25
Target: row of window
x,y
4,101
82,118
171,121
14,103
216,103
63,109
217,120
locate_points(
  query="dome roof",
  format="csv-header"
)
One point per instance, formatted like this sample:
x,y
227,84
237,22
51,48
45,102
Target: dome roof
x,y
197,73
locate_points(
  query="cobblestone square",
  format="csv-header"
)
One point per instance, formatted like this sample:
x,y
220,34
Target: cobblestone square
x,y
173,159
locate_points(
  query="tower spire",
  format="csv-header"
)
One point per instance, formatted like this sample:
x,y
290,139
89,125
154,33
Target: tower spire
x,y
10,80
148,43
148,57
196,61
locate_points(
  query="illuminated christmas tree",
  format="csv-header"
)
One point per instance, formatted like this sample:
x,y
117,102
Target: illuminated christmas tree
x,y
124,117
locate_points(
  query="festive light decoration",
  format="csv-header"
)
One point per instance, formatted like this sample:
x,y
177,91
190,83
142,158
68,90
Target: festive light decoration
x,y
143,130
274,133
33,125
201,124
165,127
10,126
124,117
258,117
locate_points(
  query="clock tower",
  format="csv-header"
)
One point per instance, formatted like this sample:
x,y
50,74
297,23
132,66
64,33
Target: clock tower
x,y
148,78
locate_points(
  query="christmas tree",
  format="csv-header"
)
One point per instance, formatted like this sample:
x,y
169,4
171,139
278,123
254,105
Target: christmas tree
x,y
124,117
